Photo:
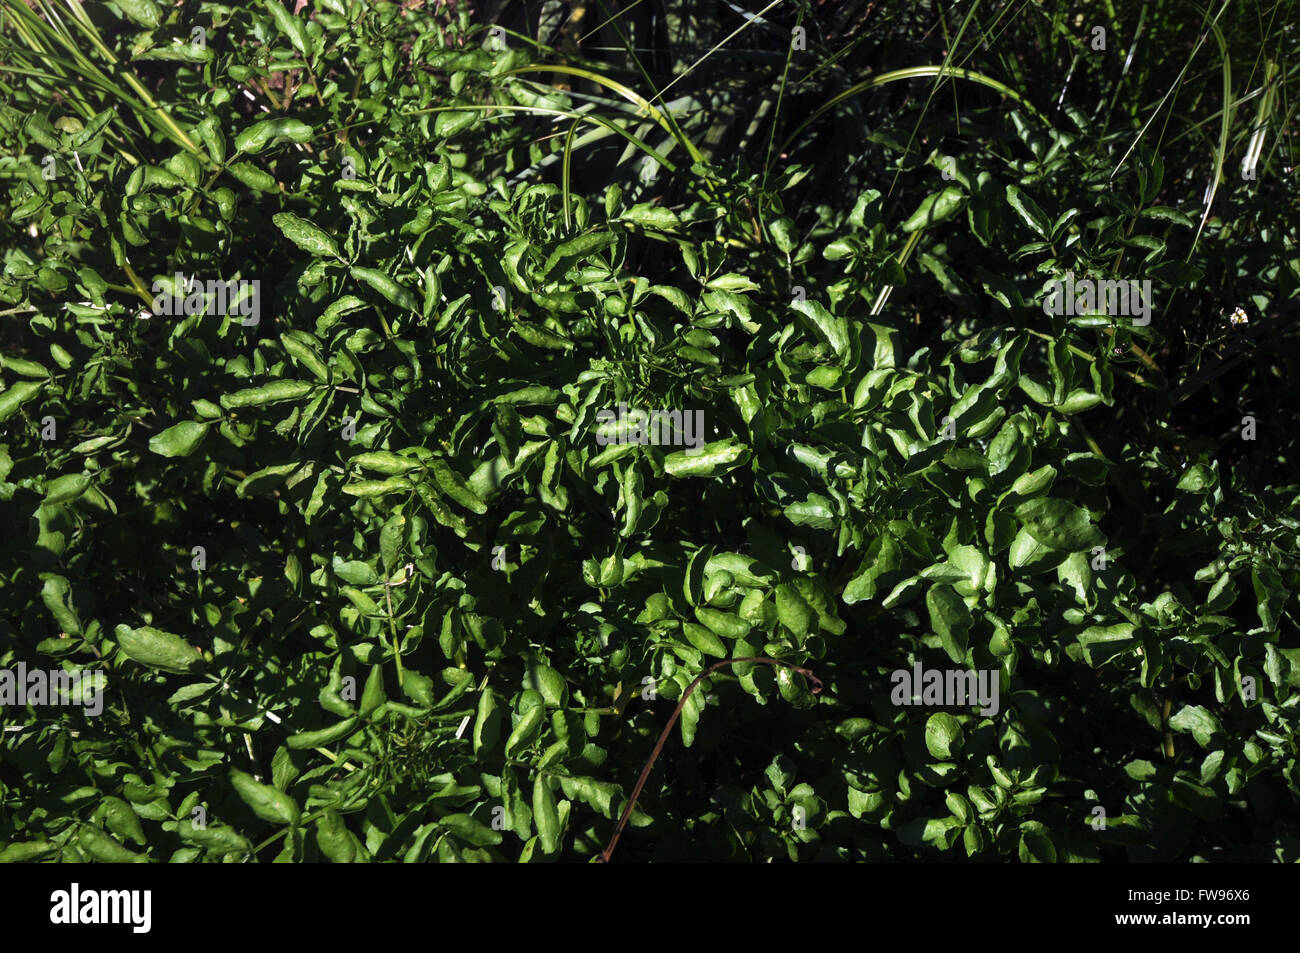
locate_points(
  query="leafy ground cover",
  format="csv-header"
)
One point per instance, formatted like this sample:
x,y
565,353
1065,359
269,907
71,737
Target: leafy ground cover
x,y
322,333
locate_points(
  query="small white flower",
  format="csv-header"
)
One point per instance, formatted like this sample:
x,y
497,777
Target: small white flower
x,y
1238,316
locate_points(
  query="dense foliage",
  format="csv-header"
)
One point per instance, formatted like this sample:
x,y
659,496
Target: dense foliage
x,y
372,577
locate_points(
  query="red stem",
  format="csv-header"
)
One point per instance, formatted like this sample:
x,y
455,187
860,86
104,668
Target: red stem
x,y
663,737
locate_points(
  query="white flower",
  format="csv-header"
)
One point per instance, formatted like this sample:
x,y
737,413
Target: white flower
x,y
1238,316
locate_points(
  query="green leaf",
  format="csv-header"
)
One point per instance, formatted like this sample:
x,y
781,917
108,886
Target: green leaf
x,y
943,736
386,286
950,619
830,329
1059,524
314,241
712,459
324,736
333,838
17,395
452,486
793,611
469,830
1028,553
599,795
178,440
935,208
526,730
449,124
782,232
487,723
355,572
24,367
373,694
105,849
56,596
1029,212
122,820
1077,401
1198,720
270,393
24,851
817,512
1034,482
220,840
378,487
704,639
250,175
1198,478
1036,845
259,135
267,802
156,648
1269,594
550,683
545,815
419,688
651,216
1102,643
305,354
67,487
1166,214
385,461
723,623
568,253
145,13
289,24
264,480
